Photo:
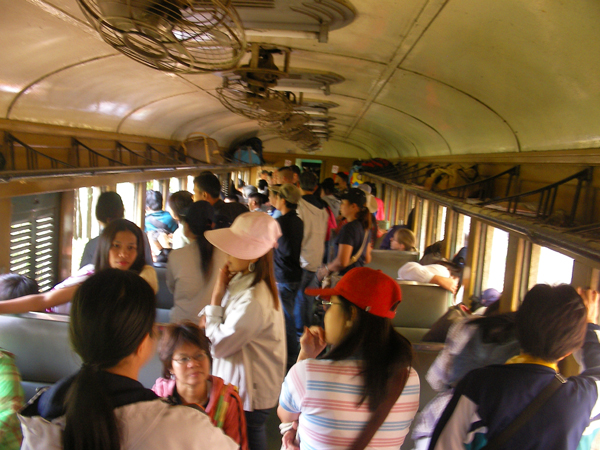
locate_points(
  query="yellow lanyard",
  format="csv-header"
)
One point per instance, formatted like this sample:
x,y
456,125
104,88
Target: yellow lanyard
x,y
524,358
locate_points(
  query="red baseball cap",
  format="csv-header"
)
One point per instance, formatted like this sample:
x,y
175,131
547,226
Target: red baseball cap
x,y
371,290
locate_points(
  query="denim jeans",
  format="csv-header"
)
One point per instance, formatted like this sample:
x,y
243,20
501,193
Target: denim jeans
x,y
303,313
287,294
256,429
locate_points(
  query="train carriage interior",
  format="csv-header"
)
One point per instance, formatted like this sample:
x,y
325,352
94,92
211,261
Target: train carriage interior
x,y
478,119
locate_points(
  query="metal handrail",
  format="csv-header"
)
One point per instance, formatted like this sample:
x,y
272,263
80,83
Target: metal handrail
x,y
31,155
132,153
93,155
406,178
150,150
486,184
185,157
547,196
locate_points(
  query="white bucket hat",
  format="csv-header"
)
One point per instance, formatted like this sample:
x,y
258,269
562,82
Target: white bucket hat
x,y
250,236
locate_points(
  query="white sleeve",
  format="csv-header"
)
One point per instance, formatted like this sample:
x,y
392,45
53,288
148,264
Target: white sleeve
x,y
413,271
244,320
149,274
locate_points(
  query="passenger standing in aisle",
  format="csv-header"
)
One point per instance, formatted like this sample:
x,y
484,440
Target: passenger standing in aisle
x,y
178,202
341,183
288,272
353,236
245,321
313,212
282,175
208,188
327,194
192,271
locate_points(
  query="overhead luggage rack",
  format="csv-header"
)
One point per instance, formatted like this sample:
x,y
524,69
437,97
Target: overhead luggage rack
x,y
542,224
485,187
547,197
72,156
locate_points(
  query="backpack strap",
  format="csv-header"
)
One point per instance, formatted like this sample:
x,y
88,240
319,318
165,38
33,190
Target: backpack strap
x,y
397,384
526,415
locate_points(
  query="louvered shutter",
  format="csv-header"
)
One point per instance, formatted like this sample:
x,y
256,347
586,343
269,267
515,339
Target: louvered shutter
x,y
34,238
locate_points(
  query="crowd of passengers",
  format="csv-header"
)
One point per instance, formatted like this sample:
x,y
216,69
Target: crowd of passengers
x,y
243,339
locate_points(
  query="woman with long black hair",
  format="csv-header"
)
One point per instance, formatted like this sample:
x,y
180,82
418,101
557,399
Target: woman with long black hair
x,y
334,396
103,406
352,247
120,246
192,271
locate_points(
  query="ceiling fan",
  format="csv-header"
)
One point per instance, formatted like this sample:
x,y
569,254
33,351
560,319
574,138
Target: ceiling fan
x,y
190,36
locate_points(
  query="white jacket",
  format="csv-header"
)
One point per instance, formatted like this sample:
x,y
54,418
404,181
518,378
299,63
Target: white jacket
x,y
149,425
315,231
248,342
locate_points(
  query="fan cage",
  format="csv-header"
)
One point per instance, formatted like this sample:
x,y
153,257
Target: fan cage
x,y
268,107
188,36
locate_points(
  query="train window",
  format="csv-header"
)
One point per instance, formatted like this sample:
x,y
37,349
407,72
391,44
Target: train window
x,y
173,186
464,226
34,238
441,223
86,226
494,265
422,227
190,183
127,191
550,267
155,185
410,204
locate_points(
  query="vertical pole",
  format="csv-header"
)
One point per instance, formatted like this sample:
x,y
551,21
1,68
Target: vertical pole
x,y
511,295
5,219
65,237
451,226
473,261
140,206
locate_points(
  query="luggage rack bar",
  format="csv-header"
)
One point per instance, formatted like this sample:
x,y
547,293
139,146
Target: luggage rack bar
x,y
487,184
547,194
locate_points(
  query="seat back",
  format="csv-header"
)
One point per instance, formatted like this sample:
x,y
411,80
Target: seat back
x,y
164,297
422,305
389,261
43,354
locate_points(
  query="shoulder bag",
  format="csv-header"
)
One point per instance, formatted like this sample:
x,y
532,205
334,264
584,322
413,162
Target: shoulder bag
x,y
332,279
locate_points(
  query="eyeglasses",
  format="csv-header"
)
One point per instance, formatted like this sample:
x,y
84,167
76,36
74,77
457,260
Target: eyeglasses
x,y
187,359
326,304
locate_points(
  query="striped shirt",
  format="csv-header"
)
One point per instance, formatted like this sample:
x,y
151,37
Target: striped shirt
x,y
326,393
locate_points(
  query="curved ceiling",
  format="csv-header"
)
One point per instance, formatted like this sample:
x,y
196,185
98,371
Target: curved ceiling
x,y
422,78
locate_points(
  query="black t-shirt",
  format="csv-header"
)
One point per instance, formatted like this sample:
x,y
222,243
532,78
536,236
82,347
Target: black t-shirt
x,y
352,234
287,253
225,213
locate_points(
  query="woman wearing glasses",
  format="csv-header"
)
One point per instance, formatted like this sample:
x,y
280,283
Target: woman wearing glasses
x,y
103,406
185,353
325,403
